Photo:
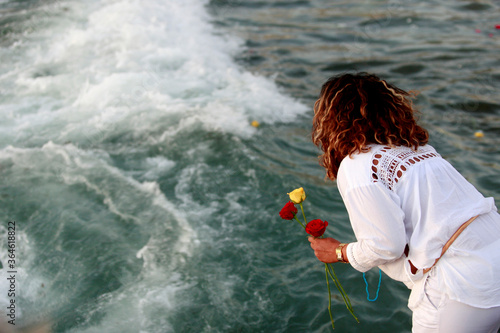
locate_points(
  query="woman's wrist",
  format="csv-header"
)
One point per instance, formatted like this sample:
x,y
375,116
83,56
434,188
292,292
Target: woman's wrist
x,y
344,254
340,251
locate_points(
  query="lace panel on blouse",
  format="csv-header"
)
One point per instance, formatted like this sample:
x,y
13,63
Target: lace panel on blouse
x,y
390,163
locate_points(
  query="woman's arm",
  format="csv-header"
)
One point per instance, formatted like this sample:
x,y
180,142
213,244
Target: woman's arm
x,y
325,251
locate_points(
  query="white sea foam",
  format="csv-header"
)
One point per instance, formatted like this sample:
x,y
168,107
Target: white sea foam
x,y
157,166
71,165
137,67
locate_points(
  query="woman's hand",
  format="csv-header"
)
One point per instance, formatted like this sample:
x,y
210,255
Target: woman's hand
x,y
324,249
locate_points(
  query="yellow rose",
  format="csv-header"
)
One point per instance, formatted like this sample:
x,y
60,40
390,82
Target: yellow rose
x,y
297,195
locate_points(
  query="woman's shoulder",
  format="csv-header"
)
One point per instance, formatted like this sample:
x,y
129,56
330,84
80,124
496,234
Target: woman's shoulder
x,y
354,170
389,164
382,163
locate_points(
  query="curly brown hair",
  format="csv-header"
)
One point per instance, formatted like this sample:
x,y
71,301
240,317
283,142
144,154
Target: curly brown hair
x,y
355,110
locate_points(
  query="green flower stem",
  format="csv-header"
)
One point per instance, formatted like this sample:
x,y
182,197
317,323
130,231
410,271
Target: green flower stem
x,y
347,301
303,214
341,289
295,217
329,296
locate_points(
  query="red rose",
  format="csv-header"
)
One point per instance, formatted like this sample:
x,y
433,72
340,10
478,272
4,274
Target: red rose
x,y
288,211
316,228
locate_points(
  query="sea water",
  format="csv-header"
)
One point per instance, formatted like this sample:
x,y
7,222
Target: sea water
x,y
143,198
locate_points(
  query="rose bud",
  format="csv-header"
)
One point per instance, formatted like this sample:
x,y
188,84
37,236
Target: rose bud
x,y
297,195
288,211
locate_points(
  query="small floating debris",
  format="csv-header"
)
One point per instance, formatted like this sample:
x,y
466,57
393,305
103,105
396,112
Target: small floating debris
x,y
255,123
479,134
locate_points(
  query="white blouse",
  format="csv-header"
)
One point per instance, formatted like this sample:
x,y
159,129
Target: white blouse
x,y
397,196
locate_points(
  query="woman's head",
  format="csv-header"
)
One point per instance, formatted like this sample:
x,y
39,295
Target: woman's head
x,y
355,110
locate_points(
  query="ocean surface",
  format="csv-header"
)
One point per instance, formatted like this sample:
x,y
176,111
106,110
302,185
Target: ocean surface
x,y
143,198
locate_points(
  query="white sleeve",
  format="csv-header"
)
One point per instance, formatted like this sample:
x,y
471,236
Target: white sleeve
x,y
377,222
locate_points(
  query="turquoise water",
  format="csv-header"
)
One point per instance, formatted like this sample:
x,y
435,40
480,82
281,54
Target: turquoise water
x,y
145,201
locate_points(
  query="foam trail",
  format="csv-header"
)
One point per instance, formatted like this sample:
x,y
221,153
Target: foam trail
x,y
134,67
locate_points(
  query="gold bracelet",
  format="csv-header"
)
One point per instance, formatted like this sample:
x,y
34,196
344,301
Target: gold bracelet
x,y
338,252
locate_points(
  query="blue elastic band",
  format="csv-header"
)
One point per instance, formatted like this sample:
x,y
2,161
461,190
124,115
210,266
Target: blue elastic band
x,y
378,288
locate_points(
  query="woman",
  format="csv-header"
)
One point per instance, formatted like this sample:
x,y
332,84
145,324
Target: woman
x,y
405,203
